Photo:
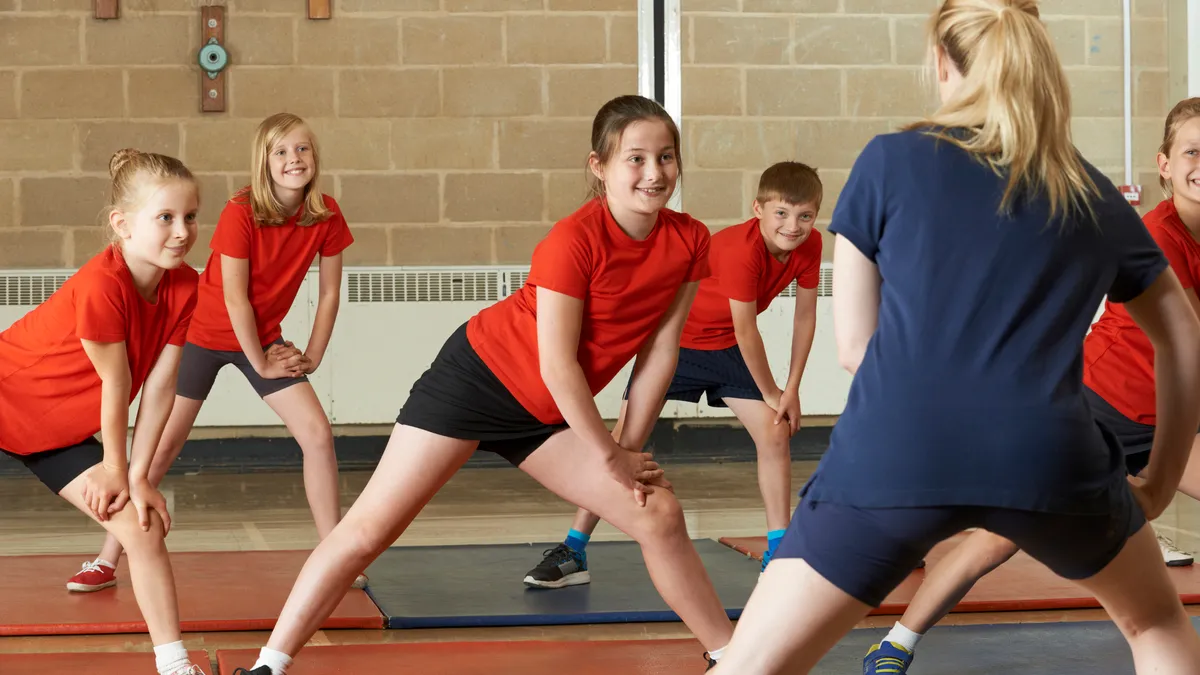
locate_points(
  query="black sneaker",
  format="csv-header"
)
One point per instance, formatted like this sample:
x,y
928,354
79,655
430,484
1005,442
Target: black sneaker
x,y
261,670
561,566
712,663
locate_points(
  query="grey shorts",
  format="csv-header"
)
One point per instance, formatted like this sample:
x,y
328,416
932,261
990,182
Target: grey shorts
x,y
198,368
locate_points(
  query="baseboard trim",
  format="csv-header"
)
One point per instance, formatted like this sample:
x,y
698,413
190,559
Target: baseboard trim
x,y
671,442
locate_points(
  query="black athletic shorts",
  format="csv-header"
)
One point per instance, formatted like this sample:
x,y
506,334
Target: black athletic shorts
x,y
198,368
57,468
1136,438
460,397
719,374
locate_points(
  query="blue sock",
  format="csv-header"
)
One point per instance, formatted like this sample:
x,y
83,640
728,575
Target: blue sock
x,y
773,539
577,540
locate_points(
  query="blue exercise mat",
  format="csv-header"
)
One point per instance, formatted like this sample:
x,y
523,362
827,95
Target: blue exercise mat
x,y
469,586
1077,648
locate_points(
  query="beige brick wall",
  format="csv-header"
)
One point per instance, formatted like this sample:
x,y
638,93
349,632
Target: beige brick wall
x,y
769,80
455,131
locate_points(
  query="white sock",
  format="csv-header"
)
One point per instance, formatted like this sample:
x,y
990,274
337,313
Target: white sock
x,y
170,657
102,561
716,654
278,662
904,637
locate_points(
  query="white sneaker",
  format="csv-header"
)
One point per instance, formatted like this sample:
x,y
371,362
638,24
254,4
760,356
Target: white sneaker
x,y
1172,555
189,670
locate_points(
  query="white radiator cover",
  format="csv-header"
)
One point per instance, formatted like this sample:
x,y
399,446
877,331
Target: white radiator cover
x,y
393,321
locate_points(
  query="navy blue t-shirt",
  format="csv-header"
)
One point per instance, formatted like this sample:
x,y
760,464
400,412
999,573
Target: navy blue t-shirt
x,y
970,392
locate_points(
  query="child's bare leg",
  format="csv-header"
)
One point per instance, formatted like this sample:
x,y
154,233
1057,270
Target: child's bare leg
x,y
179,425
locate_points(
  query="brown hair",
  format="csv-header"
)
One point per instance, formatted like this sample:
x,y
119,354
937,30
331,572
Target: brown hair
x,y
1183,111
266,208
612,120
790,182
131,171
1013,109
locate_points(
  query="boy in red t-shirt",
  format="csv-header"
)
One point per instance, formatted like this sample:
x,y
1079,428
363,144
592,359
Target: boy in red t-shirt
x,y
722,354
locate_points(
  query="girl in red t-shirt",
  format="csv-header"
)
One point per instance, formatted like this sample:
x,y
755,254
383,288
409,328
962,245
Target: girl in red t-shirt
x,y
267,237
70,369
611,281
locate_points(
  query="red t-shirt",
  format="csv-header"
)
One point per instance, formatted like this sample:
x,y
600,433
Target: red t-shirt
x,y
627,287
280,256
1118,357
743,269
49,389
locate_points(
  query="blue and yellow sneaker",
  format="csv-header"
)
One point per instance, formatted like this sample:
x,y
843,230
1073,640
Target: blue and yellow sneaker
x,y
887,658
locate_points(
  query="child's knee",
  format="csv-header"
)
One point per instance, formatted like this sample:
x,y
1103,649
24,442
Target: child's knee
x,y
132,537
777,441
365,542
662,516
318,437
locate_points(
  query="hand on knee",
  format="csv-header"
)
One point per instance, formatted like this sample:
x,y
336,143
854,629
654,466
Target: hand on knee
x,y
662,517
777,442
133,538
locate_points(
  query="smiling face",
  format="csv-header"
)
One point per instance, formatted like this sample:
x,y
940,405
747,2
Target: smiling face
x,y
292,164
785,226
162,229
640,175
1180,166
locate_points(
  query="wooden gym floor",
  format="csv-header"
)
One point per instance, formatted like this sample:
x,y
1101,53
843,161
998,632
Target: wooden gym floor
x,y
267,511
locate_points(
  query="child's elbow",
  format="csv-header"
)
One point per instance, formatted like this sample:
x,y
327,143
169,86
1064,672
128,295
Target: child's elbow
x,y
551,369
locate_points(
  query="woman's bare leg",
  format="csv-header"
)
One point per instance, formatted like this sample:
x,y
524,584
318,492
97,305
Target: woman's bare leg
x,y
1139,596
793,618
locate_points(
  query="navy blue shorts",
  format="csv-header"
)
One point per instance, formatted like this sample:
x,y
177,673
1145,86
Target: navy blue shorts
x,y
719,374
868,552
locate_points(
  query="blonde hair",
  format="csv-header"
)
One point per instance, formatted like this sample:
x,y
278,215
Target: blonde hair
x,y
1013,107
612,120
1183,111
132,172
266,208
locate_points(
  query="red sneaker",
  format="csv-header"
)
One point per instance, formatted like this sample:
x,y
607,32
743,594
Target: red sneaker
x,y
94,576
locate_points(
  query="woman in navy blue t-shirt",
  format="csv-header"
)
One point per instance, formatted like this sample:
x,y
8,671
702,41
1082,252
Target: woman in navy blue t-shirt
x,y
971,253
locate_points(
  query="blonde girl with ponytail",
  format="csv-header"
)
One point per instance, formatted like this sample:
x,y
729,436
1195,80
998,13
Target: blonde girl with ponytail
x,y
71,367
972,250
